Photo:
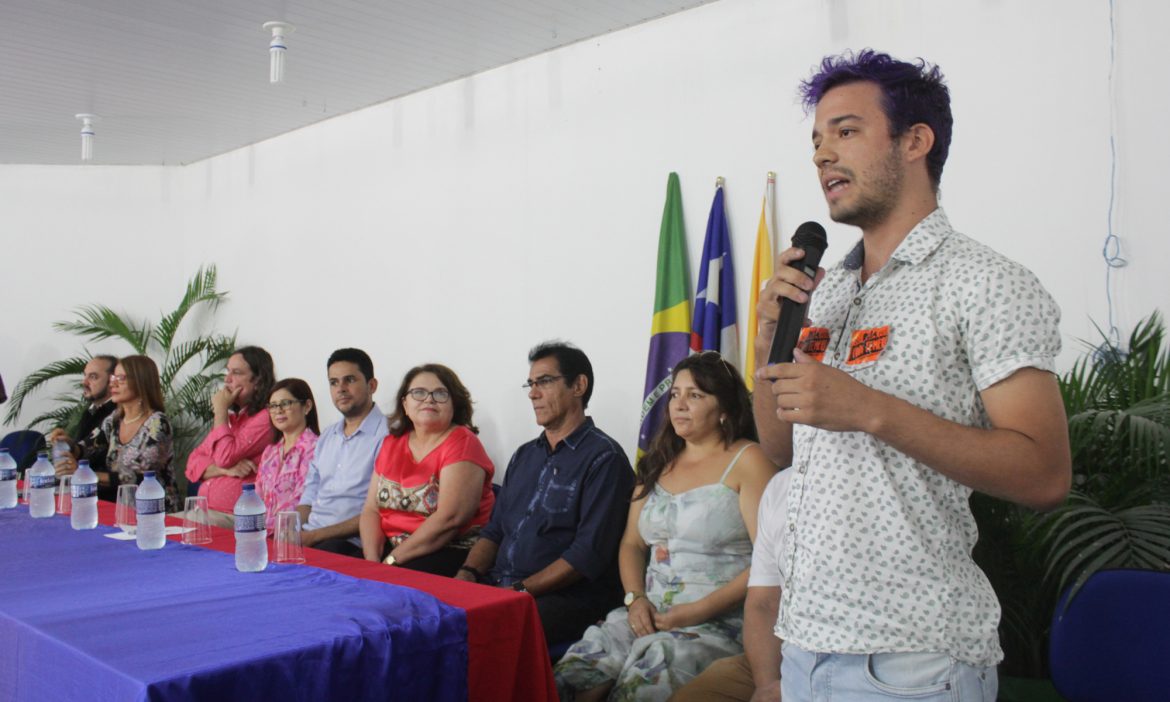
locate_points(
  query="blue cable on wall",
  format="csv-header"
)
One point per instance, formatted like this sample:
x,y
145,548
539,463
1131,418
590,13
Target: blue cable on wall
x,y
1111,249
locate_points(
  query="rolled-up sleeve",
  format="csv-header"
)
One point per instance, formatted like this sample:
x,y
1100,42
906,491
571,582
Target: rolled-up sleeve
x,y
605,500
1013,323
312,482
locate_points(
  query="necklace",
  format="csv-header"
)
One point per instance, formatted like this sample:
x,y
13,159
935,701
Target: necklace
x,y
136,418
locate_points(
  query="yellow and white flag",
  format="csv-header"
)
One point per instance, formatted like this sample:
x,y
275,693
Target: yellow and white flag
x,y
761,272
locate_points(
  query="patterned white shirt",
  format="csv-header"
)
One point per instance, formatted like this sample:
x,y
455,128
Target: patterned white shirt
x,y
879,558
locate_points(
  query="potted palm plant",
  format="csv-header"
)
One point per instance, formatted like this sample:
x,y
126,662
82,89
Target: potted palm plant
x,y
188,363
1117,514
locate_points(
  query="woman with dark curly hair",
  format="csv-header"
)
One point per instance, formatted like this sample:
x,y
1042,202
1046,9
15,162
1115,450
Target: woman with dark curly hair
x,y
685,553
229,454
431,491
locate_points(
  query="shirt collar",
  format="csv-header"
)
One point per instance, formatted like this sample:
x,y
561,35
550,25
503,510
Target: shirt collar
x,y
919,244
572,440
369,424
307,436
94,409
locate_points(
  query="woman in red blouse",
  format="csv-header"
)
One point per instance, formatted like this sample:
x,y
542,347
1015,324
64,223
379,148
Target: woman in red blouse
x,y
431,491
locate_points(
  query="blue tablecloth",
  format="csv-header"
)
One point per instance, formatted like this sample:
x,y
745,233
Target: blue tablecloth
x,y
85,617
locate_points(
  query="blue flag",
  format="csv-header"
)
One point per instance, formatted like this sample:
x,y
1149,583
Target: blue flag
x,y
714,327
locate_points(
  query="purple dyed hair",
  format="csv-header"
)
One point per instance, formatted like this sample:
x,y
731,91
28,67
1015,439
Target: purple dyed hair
x,y
912,93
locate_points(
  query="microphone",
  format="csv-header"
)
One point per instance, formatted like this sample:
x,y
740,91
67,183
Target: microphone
x,y
809,236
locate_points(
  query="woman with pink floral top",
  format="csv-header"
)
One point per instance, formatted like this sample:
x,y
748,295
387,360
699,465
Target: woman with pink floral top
x,y
280,479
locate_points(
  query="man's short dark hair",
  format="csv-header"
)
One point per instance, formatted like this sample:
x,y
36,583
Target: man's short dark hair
x,y
912,93
111,361
571,361
359,358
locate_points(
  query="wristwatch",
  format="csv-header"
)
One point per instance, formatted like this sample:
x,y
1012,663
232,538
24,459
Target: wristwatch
x,y
390,560
518,586
631,596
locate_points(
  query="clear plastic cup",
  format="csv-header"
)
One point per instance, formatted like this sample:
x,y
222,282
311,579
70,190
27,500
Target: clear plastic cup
x,y
65,494
195,518
126,511
288,538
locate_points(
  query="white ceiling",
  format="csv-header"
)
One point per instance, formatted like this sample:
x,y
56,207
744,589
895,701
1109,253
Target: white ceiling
x,y
176,81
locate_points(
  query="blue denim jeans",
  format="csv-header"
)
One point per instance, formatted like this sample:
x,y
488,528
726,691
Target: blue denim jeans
x,y
841,677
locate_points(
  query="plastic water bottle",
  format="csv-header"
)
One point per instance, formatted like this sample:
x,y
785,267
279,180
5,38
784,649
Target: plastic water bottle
x,y
43,484
251,535
7,480
60,449
84,492
150,503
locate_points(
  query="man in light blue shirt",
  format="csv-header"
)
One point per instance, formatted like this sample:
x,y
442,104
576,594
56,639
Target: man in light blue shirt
x,y
339,474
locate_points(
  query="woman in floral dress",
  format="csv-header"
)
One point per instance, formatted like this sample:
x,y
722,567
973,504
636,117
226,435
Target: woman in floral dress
x,y
685,553
139,431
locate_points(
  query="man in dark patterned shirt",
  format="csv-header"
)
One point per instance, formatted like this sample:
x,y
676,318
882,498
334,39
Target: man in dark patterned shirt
x,y
88,442
556,525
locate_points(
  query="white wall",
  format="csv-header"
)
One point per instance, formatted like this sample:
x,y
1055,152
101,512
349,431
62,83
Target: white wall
x,y
465,223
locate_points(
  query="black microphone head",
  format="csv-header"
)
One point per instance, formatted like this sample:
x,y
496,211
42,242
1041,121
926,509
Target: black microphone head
x,y
810,236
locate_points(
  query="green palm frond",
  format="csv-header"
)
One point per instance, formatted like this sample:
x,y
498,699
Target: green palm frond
x,y
97,322
1148,426
34,380
66,414
188,370
1083,537
180,355
219,350
192,398
200,291
1112,378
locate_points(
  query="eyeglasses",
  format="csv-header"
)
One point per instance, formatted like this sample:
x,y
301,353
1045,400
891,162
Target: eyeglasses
x,y
118,378
420,395
716,356
282,405
542,382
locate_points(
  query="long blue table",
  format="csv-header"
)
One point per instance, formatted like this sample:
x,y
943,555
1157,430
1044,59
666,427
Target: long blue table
x,y
85,617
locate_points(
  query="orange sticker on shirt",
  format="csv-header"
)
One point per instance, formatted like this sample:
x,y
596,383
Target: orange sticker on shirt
x,y
814,341
866,345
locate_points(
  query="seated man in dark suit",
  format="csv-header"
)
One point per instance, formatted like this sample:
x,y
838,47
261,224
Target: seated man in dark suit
x,y
88,442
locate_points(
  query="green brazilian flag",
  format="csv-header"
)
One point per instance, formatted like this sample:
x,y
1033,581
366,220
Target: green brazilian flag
x,y
670,330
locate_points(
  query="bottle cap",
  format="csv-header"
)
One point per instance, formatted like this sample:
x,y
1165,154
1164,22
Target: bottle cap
x,y
149,474
249,487
83,463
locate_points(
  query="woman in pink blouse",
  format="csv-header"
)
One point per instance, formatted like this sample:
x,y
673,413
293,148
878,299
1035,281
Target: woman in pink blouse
x,y
240,431
281,477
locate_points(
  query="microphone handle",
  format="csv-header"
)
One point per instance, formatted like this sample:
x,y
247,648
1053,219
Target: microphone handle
x,y
788,328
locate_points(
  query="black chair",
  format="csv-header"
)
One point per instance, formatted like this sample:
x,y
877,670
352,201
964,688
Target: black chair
x,y
23,445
